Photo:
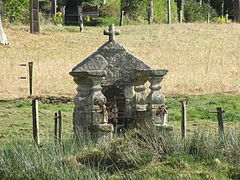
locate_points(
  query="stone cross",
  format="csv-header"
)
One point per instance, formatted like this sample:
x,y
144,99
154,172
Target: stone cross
x,y
111,32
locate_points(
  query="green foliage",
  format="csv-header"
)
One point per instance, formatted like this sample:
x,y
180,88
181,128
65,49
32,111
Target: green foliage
x,y
135,9
62,2
57,18
88,2
221,20
111,8
228,6
193,12
45,6
106,21
16,10
161,11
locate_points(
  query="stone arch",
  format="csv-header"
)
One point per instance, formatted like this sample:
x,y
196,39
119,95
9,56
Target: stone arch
x,y
115,99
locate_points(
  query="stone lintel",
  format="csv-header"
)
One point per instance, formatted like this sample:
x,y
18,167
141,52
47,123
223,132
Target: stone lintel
x,y
147,73
159,72
82,73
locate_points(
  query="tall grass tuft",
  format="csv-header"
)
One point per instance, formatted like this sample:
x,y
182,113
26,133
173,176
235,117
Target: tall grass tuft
x,y
141,153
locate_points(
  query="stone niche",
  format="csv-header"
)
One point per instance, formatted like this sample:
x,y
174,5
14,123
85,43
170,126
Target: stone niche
x,y
112,93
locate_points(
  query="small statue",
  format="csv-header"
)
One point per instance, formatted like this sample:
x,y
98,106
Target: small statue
x,y
162,113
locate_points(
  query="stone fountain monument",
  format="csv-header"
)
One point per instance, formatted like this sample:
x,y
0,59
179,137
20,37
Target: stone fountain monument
x,y
112,93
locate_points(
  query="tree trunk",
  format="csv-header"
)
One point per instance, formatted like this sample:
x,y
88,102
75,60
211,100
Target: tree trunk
x,y
237,10
150,14
54,7
3,36
180,10
222,8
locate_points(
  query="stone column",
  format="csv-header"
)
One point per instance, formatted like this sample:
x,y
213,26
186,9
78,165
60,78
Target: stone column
x,y
81,116
155,99
129,94
90,115
140,78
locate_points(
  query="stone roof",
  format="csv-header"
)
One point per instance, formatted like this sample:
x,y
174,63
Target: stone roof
x,y
114,59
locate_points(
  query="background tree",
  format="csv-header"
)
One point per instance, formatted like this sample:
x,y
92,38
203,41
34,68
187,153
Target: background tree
x,y
150,13
237,10
16,10
180,4
3,36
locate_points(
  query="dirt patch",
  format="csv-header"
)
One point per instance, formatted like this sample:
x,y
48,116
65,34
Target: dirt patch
x,y
48,99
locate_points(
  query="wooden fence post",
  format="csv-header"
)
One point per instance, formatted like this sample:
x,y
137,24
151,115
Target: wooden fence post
x,y
220,112
35,121
30,67
226,18
58,126
81,23
208,18
184,118
121,18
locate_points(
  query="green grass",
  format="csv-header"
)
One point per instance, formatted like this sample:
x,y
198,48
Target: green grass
x,y
140,154
199,106
16,119
16,115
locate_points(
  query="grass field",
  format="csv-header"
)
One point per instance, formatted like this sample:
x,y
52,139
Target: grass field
x,y
139,154
201,58
204,65
16,118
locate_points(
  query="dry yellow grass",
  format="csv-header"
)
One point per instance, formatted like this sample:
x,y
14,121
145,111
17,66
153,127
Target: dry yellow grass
x,y
201,58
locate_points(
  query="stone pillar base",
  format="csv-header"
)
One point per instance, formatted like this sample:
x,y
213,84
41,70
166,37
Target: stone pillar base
x,y
101,132
164,127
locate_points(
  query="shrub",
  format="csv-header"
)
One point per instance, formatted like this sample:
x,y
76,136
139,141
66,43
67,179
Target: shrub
x,y
161,11
105,21
221,20
193,12
111,8
16,10
135,9
138,10
45,6
57,18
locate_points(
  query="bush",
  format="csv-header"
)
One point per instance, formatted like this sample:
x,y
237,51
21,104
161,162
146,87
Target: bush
x,y
161,11
135,9
16,10
57,18
221,20
104,21
111,8
193,12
